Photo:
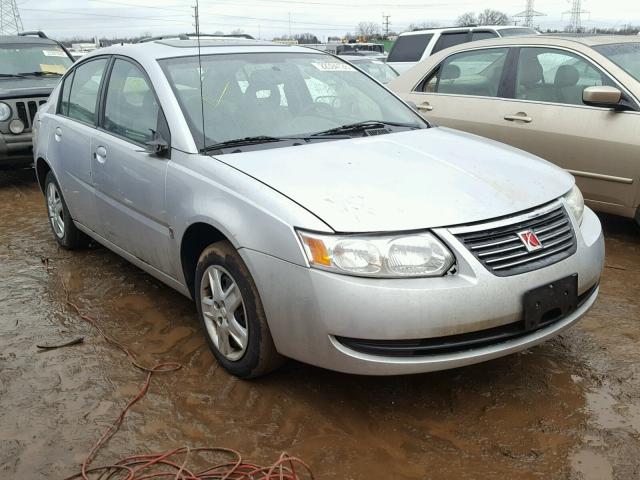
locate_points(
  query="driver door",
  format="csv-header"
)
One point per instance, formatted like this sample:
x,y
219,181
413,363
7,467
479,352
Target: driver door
x,y
129,181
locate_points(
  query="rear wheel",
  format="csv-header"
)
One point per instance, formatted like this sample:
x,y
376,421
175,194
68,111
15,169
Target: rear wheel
x,y
64,230
231,313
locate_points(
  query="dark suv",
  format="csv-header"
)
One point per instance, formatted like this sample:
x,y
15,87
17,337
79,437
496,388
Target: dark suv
x,y
30,67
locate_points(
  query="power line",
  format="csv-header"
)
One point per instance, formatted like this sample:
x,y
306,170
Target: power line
x,y
575,23
529,14
10,21
386,22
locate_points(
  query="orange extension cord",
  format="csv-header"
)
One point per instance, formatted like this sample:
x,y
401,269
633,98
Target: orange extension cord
x,y
173,464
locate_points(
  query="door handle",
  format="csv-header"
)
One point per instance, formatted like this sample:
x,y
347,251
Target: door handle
x,y
425,106
58,134
100,154
519,117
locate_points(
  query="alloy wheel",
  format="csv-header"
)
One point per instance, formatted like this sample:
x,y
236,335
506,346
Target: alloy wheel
x,y
55,209
224,312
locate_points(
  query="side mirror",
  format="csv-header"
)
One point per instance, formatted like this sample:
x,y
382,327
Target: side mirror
x,y
158,145
602,96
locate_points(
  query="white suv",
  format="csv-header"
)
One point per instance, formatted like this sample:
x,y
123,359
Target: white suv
x,y
411,47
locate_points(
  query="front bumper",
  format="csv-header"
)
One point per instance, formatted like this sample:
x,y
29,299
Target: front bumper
x,y
16,150
307,308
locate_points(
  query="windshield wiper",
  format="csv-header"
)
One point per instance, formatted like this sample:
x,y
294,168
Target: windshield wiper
x,y
362,126
239,142
40,73
11,75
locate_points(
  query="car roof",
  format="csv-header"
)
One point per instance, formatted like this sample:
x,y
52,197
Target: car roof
x,y
27,39
170,48
470,27
558,40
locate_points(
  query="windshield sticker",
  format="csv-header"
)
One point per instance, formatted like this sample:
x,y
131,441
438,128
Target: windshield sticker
x,y
333,66
53,53
61,69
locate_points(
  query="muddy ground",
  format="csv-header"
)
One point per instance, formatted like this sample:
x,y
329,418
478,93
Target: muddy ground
x,y
569,409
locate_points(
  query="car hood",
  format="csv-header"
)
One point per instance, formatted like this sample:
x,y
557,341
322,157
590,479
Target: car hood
x,y
407,180
27,87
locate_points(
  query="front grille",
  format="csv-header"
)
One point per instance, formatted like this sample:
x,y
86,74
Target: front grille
x,y
452,343
501,251
26,110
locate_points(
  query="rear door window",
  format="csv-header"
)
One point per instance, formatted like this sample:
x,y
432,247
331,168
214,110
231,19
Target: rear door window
x,y
484,35
85,88
409,48
478,73
447,40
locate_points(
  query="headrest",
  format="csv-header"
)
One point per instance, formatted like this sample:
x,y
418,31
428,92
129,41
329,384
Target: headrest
x,y
567,76
450,72
530,72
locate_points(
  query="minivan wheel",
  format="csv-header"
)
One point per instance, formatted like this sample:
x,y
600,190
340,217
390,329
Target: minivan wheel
x,y
64,230
231,314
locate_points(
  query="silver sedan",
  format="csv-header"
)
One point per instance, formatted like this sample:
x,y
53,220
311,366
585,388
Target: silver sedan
x,y
309,212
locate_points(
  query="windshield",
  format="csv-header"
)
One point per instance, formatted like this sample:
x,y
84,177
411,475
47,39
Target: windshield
x,y
277,95
625,55
20,58
377,69
512,32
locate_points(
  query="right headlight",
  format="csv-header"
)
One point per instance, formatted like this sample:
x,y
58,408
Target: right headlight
x,y
5,112
575,203
399,255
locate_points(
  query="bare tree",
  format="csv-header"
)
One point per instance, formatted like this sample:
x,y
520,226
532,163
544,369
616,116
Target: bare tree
x,y
493,17
369,30
303,38
467,19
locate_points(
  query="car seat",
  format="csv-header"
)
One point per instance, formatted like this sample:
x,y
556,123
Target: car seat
x,y
566,85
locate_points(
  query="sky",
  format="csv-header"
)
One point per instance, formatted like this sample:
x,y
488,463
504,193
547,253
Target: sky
x,y
65,19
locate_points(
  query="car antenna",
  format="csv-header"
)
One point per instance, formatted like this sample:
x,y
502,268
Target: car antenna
x,y
196,9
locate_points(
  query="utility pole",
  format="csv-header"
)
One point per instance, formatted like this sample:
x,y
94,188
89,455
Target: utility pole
x,y
290,36
10,21
575,24
385,23
196,16
529,14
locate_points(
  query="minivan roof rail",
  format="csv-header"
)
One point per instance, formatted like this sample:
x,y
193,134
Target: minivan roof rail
x,y
38,33
446,28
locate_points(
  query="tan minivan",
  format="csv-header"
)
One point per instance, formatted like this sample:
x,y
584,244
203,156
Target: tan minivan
x,y
573,101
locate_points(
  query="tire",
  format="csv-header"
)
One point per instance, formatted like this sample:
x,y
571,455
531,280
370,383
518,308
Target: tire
x,y
236,331
64,230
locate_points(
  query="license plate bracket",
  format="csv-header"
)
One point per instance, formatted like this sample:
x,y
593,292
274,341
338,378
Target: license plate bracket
x,y
549,302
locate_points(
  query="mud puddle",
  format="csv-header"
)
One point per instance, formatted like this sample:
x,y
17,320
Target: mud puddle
x,y
567,409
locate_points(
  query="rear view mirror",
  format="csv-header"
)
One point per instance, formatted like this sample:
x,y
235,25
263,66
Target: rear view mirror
x,y
602,96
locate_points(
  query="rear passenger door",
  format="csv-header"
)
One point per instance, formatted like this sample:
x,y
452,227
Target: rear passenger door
x,y
130,182
69,148
465,90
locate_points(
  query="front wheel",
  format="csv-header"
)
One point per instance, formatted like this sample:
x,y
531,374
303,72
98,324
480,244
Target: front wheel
x,y
64,230
231,313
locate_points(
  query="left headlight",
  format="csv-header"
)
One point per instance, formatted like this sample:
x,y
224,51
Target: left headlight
x,y
5,112
575,203
382,256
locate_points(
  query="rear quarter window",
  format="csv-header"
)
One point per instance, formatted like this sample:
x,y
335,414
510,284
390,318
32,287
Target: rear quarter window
x,y
447,40
409,48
